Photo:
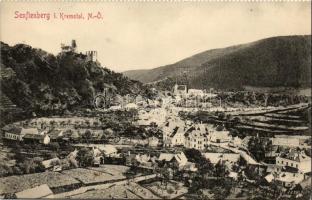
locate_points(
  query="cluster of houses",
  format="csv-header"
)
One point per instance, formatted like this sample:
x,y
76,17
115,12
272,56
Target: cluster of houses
x,y
177,132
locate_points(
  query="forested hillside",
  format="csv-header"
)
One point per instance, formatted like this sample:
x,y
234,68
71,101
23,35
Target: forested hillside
x,y
36,81
273,62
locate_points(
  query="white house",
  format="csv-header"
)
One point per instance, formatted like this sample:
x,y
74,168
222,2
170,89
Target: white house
x,y
17,133
236,142
181,159
175,137
219,136
195,92
166,157
130,106
43,139
153,141
196,140
109,150
226,157
290,140
295,159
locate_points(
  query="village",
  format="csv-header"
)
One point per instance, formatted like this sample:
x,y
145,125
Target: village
x,y
152,149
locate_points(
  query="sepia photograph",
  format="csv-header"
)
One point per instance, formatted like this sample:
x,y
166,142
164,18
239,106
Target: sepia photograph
x,y
155,100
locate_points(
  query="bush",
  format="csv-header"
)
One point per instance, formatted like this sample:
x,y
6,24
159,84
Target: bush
x,y
85,157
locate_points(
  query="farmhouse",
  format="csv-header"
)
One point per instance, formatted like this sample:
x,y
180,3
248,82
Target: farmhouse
x,y
16,133
196,140
32,138
225,157
295,159
219,136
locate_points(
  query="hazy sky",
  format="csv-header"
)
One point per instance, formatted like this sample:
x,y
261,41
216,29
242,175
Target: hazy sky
x,y
147,35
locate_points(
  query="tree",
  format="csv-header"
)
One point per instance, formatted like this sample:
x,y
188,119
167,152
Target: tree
x,y
205,167
85,157
87,135
193,155
242,162
55,146
220,169
257,148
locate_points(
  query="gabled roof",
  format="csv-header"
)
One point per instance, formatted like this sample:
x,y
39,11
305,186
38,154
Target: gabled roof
x,y
14,130
181,158
269,178
36,192
166,156
48,163
30,131
295,155
177,130
55,134
108,149
34,136
215,157
289,178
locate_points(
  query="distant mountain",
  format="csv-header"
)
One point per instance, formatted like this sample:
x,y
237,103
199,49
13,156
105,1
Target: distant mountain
x,y
33,80
274,62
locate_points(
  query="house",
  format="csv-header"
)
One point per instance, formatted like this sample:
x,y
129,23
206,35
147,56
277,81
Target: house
x,y
17,133
245,142
98,158
153,141
53,164
130,106
178,158
145,161
108,150
296,159
32,138
230,158
269,178
73,154
289,178
236,142
55,134
180,90
196,140
174,137
219,136
189,166
233,175
290,140
181,159
195,92
115,107
273,152
167,157
41,191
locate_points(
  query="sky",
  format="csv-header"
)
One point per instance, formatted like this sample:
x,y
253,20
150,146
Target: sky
x,y
144,35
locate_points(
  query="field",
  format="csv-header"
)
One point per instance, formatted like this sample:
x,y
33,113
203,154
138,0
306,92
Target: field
x,y
98,175
141,191
114,170
13,184
116,192
172,190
